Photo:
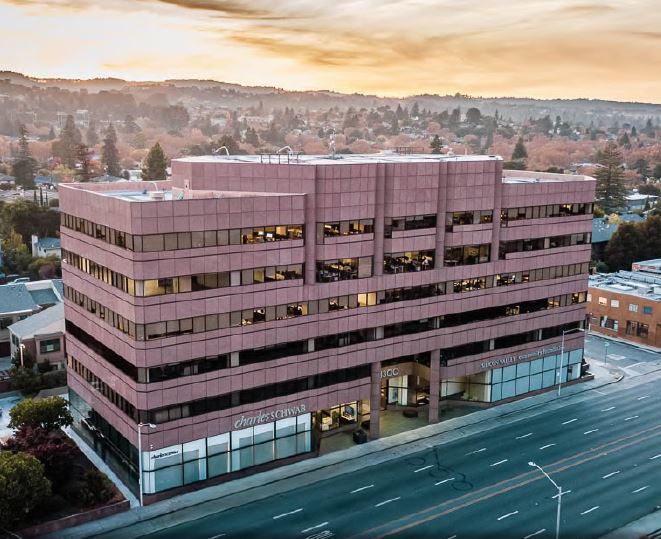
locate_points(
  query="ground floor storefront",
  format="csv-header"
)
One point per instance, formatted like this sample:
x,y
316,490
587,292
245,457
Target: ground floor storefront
x,y
403,394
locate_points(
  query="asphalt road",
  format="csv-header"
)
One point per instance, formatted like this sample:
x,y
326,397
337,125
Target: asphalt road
x,y
605,452
620,354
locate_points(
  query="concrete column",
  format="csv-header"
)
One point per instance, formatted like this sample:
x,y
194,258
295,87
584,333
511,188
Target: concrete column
x,y
310,236
434,385
375,400
441,207
379,209
497,206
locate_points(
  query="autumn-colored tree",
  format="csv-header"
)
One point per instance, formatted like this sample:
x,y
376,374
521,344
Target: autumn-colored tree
x,y
610,180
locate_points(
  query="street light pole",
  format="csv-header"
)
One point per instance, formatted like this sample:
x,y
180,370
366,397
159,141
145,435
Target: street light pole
x,y
21,346
557,516
562,354
140,425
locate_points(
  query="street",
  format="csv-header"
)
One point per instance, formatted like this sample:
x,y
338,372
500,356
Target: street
x,y
604,452
631,359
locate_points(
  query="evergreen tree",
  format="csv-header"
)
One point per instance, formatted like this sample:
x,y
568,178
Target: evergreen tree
x,y
66,148
625,141
634,132
252,138
610,180
436,145
649,128
24,165
473,115
84,160
415,110
229,143
130,125
109,153
520,151
455,117
394,126
51,133
488,142
92,136
155,165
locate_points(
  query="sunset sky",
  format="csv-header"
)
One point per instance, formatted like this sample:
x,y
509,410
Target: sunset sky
x,y
541,48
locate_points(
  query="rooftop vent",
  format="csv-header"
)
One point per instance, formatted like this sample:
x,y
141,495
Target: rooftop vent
x,y
156,195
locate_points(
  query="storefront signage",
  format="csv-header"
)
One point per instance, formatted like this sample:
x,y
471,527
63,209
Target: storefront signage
x,y
390,373
164,454
265,417
508,360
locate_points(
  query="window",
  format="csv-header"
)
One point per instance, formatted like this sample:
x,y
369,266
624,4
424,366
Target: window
x,y
343,269
637,329
411,222
647,310
633,308
408,262
467,254
609,323
615,303
603,301
590,298
51,345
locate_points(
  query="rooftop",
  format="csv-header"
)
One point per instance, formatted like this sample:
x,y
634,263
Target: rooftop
x,y
46,322
632,283
28,297
48,243
339,159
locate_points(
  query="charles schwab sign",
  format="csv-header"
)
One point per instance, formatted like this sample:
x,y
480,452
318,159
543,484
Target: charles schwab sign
x,y
508,360
265,417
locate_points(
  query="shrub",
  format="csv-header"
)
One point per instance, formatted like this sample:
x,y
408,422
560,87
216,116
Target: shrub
x,y
24,379
54,379
23,487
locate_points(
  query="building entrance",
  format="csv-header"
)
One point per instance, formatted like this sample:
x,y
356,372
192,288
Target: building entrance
x,y
404,385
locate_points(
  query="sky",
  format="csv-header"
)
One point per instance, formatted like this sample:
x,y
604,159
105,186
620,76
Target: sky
x,y
608,49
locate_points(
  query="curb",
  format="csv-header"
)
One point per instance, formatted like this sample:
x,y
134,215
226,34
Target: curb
x,y
377,447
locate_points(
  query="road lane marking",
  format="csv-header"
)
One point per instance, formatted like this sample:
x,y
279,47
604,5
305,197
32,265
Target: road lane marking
x,y
639,489
444,481
600,392
306,530
524,436
290,513
546,446
608,409
507,515
563,493
218,536
499,462
632,417
478,451
361,488
570,421
590,510
452,537
634,365
442,509
590,431
616,357
387,501
655,456
536,533
423,468
643,397
610,474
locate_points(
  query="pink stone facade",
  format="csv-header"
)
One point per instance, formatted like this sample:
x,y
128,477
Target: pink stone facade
x,y
218,194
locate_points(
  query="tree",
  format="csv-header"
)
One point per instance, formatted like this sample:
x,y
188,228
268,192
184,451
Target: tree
x,y
155,165
51,133
625,141
649,189
642,166
634,132
24,165
24,378
436,144
109,153
520,151
473,116
92,137
394,126
633,242
23,486
252,138
49,413
230,143
130,125
175,117
84,159
610,180
66,148
52,448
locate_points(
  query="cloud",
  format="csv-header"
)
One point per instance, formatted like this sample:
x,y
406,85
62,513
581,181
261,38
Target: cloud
x,y
587,9
228,8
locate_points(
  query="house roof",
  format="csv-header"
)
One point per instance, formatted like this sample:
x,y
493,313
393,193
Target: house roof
x,y
15,298
48,243
46,322
44,296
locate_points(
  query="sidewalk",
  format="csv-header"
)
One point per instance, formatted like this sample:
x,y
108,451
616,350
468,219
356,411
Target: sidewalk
x,y
194,505
648,526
